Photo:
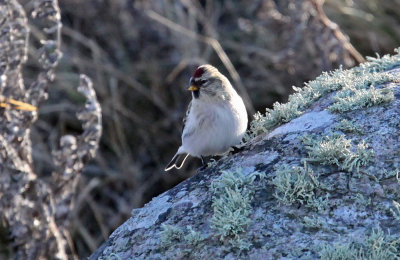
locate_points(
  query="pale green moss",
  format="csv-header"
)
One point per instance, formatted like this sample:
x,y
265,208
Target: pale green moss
x,y
327,150
347,126
232,195
193,237
295,184
362,157
352,99
170,235
298,102
361,202
281,113
380,246
396,212
231,212
376,246
320,204
314,222
338,252
337,150
211,163
356,90
386,62
112,256
389,174
242,244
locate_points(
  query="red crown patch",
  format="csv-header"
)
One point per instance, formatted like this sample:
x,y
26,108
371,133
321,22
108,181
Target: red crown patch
x,y
198,73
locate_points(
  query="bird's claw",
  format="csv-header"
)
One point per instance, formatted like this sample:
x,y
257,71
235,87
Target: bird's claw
x,y
202,168
236,149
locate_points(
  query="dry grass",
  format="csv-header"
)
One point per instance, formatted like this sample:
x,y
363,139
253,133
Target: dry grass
x,y
140,57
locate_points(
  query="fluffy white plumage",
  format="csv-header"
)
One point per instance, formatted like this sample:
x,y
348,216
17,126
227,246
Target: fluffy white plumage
x,y
216,118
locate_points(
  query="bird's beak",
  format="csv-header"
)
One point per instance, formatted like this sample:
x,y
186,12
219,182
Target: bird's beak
x,y
193,88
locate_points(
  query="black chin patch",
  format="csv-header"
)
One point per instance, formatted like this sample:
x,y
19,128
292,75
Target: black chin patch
x,y
196,93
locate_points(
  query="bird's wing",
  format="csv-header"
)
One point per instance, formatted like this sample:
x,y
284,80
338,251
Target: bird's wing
x,y
187,114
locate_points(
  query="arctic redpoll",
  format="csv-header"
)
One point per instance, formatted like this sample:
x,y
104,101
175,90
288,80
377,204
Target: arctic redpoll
x,y
216,118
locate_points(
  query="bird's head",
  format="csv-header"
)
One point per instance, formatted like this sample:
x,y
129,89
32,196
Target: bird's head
x,y
208,83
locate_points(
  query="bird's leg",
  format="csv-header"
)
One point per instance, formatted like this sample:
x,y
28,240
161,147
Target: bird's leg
x,y
204,164
202,160
237,149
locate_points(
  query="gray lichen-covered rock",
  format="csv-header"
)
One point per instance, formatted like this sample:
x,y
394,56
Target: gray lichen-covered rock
x,y
318,178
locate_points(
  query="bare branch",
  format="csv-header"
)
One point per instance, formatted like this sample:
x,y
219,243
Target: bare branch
x,y
217,48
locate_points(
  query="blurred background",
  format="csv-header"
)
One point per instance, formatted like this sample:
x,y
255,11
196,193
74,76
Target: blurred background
x,y
140,55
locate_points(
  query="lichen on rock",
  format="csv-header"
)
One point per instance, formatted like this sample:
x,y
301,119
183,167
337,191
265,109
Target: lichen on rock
x,y
311,182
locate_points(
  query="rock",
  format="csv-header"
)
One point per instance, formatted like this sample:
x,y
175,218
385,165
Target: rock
x,y
318,178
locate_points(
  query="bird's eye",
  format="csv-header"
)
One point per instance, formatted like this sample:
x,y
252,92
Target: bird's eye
x,y
203,81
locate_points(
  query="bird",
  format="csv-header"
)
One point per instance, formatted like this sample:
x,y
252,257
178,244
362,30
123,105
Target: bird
x,y
216,118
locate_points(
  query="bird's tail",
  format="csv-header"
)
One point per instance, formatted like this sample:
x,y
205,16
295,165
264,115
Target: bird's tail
x,y
177,161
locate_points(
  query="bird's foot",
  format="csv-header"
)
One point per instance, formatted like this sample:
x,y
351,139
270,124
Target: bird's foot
x,y
202,168
204,164
236,149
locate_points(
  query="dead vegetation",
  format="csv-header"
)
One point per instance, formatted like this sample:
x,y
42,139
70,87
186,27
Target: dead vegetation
x,y
140,56
35,206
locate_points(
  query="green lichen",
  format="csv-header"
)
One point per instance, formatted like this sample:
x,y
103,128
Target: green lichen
x,y
294,184
281,113
337,150
389,174
232,195
347,126
298,102
352,99
170,235
338,252
376,246
380,246
193,237
362,157
327,150
396,212
356,90
313,222
319,204
386,62
361,202
211,163
112,256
